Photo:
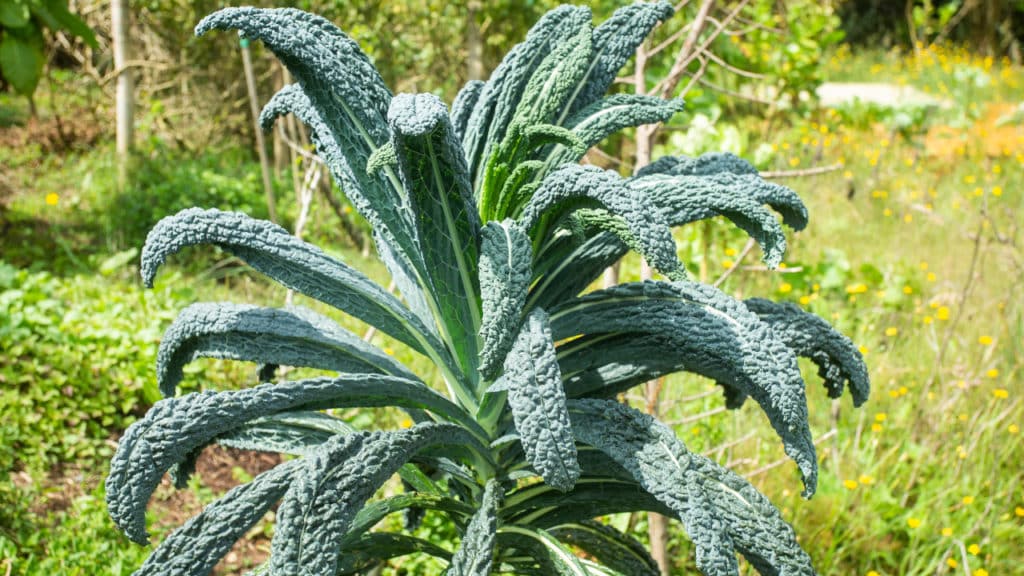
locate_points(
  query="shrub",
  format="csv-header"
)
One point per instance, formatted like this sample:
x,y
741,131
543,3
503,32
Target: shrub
x,y
491,231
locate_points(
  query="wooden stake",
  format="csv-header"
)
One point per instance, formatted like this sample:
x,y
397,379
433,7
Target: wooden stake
x,y
261,149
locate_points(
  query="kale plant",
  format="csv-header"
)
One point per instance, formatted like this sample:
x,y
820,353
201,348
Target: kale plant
x,y
491,230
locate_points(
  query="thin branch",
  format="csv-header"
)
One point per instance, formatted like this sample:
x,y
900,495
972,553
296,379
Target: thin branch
x,y
688,55
782,461
731,68
670,40
739,260
697,417
793,270
696,77
733,94
606,156
685,55
968,282
778,174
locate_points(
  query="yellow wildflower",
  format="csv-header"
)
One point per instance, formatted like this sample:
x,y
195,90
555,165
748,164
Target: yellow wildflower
x,y
850,484
947,531
892,331
794,162
880,417
908,290
863,350
1001,393
985,340
872,573
968,500
865,479
974,549
785,288
1019,511
730,251
993,373
727,263
927,319
932,277
942,313
407,423
805,300
951,563
908,218
980,572
52,199
913,522
856,289
997,190
876,427
1013,429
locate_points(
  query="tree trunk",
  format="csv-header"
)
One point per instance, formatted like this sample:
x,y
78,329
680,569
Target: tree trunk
x,y
474,44
125,103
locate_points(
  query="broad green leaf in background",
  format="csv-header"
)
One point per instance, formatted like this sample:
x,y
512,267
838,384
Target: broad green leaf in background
x,y
22,58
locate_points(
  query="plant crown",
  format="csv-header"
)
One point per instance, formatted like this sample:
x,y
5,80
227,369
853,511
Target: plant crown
x,y
491,231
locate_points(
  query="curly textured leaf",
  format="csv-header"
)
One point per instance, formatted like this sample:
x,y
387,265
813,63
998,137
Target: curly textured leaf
x,y
296,432
781,199
537,401
606,364
196,547
344,101
685,199
371,549
716,337
555,79
574,265
571,185
176,427
332,487
719,509
505,259
271,250
607,116
476,550
615,41
501,94
838,360
542,505
293,336
551,83
374,512
703,165
545,548
433,170
463,106
612,548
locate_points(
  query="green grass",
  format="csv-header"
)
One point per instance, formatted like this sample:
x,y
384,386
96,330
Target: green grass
x,y
890,265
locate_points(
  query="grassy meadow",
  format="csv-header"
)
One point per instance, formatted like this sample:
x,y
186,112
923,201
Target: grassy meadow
x,y
913,250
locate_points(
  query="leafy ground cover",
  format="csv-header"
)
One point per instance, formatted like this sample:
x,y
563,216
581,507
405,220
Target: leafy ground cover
x,y
924,480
